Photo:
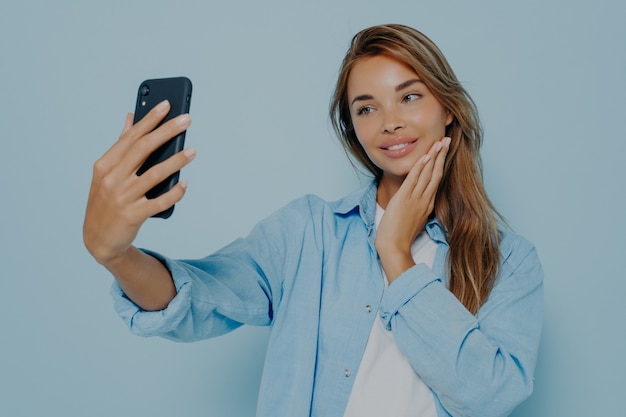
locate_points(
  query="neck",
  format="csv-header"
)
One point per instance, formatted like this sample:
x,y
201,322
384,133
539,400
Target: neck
x,y
387,188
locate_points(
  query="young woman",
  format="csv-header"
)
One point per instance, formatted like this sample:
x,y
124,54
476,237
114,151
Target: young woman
x,y
405,298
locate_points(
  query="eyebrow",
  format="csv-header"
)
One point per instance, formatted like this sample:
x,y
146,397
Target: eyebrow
x,y
398,88
408,83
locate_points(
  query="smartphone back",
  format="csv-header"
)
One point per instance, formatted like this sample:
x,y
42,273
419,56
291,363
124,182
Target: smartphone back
x,y
151,92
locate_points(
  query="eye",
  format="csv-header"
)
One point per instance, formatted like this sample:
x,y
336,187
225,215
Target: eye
x,y
364,110
411,97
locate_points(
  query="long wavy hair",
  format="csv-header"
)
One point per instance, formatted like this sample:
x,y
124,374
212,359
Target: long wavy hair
x,y
468,217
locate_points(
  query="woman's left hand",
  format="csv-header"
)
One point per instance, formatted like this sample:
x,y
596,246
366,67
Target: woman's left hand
x,y
407,212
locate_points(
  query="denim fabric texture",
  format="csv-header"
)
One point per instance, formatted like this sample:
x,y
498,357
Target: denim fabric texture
x,y
311,272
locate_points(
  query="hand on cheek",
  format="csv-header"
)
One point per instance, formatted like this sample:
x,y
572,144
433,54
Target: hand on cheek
x,y
408,211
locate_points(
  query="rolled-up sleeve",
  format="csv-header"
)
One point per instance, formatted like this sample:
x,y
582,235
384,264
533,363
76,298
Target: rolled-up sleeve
x,y
216,294
151,323
239,284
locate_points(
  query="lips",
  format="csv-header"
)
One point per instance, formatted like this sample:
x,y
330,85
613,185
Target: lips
x,y
398,147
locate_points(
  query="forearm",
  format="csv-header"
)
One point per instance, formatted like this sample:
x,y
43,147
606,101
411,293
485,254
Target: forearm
x,y
471,371
470,360
144,279
395,263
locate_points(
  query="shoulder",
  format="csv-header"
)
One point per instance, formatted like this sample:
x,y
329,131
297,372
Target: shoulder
x,y
301,214
313,215
513,243
518,253
311,206
305,208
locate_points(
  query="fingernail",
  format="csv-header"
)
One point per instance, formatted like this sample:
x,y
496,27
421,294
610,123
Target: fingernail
x,y
425,158
438,146
183,184
190,153
181,120
446,142
162,106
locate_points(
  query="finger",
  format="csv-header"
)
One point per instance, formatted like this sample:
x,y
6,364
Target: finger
x,y
421,172
164,201
158,173
442,155
104,164
432,161
436,148
412,178
149,122
141,149
131,133
128,123
424,177
417,169
438,166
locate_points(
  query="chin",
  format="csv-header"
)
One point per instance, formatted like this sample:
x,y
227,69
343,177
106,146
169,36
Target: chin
x,y
402,170
396,174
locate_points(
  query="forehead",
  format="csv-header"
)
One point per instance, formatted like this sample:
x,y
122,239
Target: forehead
x,y
379,71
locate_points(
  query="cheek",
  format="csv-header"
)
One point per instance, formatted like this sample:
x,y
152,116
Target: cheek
x,y
366,140
364,131
434,121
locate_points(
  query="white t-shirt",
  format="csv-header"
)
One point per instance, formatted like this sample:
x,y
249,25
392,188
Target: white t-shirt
x,y
386,384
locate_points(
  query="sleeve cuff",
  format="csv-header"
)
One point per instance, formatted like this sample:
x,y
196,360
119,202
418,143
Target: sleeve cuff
x,y
403,289
151,323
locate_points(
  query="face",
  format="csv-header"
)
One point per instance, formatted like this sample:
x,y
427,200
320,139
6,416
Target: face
x,y
395,116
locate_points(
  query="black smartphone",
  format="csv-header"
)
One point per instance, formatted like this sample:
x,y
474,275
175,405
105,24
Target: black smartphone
x,y
177,91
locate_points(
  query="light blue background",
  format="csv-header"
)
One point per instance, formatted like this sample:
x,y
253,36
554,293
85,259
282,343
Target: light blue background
x,y
548,78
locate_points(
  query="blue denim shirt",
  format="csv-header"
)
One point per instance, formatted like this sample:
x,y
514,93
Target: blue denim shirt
x,y
311,272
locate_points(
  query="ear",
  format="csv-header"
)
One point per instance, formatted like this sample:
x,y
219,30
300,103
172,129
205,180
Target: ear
x,y
449,118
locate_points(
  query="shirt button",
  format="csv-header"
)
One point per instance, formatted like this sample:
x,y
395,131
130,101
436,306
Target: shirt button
x,y
346,373
368,308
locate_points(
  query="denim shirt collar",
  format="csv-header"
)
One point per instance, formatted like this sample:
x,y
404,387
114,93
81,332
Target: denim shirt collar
x,y
364,201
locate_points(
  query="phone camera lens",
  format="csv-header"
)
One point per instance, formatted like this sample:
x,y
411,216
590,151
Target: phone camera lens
x,y
145,90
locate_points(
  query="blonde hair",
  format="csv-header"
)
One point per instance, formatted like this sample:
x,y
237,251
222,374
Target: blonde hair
x,y
466,214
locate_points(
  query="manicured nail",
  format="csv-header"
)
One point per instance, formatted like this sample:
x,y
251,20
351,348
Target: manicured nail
x,y
425,158
438,146
182,120
162,106
183,184
446,142
190,153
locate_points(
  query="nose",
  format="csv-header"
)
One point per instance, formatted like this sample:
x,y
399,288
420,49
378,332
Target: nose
x,y
392,122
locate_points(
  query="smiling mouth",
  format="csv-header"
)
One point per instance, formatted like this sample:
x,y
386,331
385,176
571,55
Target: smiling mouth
x,y
398,146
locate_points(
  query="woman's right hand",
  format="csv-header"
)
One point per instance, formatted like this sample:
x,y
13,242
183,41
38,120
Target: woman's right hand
x,y
117,205
408,210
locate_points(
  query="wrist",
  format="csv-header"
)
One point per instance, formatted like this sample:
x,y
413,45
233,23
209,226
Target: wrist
x,y
115,261
395,263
